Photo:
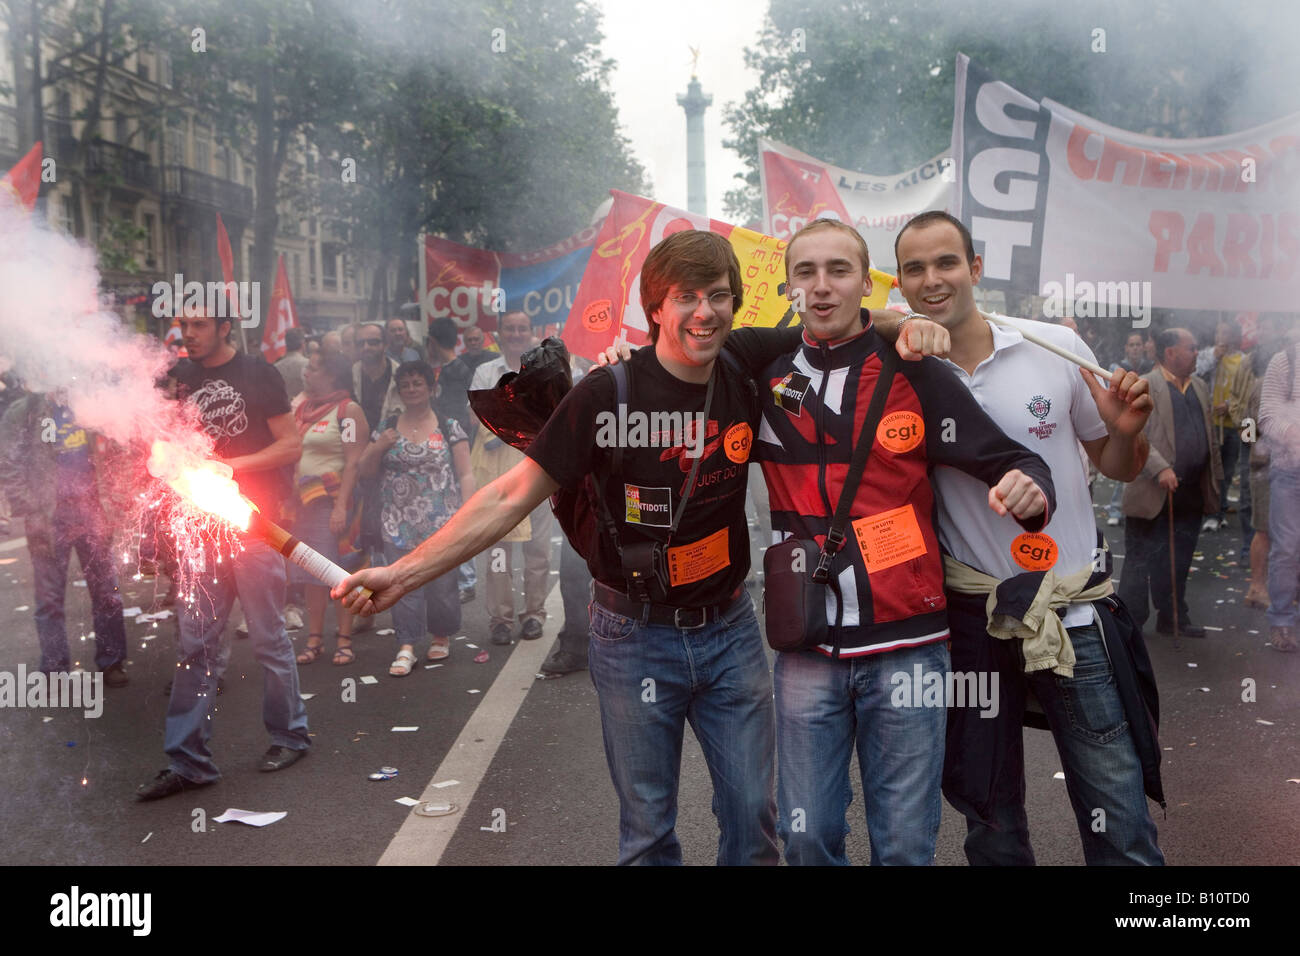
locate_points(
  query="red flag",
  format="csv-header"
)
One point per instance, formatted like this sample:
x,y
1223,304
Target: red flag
x,y
281,316
23,182
227,258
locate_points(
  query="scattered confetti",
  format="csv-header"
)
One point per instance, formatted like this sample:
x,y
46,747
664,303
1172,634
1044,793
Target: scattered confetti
x,y
306,696
1266,723
406,801
1190,664
46,720
429,667
386,630
482,657
369,680
1059,775
404,730
1205,689
253,818
25,607
132,611
78,584
1209,628
475,646
473,692
446,783
147,836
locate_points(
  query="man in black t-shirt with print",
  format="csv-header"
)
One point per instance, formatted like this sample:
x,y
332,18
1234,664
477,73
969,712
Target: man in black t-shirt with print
x,y
689,648
242,404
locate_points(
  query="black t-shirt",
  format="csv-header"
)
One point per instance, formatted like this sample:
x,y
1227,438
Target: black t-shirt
x,y
373,393
235,400
708,556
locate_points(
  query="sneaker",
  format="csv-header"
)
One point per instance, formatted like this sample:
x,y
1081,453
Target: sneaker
x,y
1185,629
531,630
292,618
1282,639
241,629
561,662
1112,522
1211,524
501,633
467,595
167,783
277,758
115,676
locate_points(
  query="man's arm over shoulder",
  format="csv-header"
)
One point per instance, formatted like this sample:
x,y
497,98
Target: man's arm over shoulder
x,y
961,434
757,348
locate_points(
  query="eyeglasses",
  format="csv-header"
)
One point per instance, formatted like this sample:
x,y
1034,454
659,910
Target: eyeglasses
x,y
372,342
719,300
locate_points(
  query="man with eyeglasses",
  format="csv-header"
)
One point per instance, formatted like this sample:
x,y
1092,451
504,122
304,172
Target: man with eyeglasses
x,y
374,381
674,637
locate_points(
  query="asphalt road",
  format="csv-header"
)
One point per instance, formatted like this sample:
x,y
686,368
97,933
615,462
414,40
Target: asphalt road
x,y
531,785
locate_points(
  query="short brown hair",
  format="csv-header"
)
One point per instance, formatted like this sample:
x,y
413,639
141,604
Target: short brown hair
x,y
690,258
825,223
929,218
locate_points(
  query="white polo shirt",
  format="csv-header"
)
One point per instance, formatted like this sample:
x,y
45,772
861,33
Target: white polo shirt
x,y
1040,400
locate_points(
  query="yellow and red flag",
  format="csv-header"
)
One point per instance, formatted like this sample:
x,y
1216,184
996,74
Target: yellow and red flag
x,y
281,316
608,306
23,182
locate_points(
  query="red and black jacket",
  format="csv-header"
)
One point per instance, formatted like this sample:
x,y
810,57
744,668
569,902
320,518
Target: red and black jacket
x,y
815,401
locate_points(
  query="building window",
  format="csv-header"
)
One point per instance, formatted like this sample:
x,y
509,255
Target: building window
x,y
64,215
297,271
120,132
202,149
150,258
165,69
311,266
175,144
221,157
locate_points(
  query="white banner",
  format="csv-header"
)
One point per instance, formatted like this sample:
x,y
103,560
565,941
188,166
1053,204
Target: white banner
x,y
1106,222
798,189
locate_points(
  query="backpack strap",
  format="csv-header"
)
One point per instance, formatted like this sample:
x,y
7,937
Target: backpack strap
x,y
622,386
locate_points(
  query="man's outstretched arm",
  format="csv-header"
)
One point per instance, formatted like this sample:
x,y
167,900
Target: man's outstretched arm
x,y
480,523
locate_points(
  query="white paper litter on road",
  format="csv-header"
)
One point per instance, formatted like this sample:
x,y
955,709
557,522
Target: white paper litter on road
x,y
1058,775
446,783
1204,689
406,801
46,720
429,667
369,680
132,611
407,730
385,631
473,692
475,646
25,607
254,818
306,696
147,618
1266,723
1209,628
147,836
1293,780
461,638
78,584
1190,664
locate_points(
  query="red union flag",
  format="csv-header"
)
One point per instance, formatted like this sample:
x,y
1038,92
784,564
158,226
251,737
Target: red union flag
x,y
227,265
23,182
608,304
281,318
458,281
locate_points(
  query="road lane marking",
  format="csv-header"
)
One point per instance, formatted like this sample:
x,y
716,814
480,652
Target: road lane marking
x,y
421,841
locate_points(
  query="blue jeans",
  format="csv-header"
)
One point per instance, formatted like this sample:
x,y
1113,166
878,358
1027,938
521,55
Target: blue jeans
x,y
650,680
81,527
257,578
1284,544
1103,775
824,707
431,609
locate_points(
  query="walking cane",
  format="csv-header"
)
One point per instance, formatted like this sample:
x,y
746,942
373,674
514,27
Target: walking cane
x,y
1173,573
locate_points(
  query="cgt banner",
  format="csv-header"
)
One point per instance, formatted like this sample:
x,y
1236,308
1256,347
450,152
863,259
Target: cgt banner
x,y
1094,217
473,286
798,189
608,306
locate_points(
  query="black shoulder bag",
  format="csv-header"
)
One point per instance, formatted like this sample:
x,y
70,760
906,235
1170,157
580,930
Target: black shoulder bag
x,y
794,584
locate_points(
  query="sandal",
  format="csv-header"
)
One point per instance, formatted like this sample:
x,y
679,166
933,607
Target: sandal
x,y
439,649
1282,639
403,665
312,651
344,655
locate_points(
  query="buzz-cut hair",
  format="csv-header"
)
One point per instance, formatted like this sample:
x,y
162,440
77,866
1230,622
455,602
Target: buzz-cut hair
x,y
929,218
819,225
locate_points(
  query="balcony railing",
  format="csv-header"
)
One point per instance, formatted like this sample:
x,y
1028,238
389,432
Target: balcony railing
x,y
193,186
132,166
